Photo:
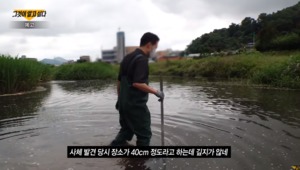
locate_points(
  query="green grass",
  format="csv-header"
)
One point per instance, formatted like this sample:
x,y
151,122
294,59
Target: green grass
x,y
86,71
280,69
18,75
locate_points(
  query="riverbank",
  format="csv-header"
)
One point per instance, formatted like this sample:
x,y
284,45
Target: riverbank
x,y
19,75
278,69
37,89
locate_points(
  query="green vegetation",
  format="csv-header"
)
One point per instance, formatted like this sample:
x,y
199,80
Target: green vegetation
x,y
18,75
275,69
278,69
21,74
86,71
277,31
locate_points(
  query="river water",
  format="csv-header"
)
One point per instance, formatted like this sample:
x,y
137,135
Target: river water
x,y
262,126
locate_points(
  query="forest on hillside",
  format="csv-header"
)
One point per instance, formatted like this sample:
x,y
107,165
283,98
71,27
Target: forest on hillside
x,y
269,32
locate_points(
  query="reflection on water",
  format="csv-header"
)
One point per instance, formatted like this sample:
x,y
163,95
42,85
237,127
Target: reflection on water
x,y
261,125
22,105
17,111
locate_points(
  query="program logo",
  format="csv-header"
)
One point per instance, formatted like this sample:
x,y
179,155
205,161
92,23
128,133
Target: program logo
x,y
29,15
295,167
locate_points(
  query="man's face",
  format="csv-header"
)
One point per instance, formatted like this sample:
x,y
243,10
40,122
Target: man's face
x,y
152,50
152,47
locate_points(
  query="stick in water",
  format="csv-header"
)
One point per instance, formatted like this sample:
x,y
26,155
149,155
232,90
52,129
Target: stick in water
x,y
162,123
162,115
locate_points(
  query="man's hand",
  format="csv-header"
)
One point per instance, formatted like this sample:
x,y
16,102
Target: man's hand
x,y
117,105
144,87
160,95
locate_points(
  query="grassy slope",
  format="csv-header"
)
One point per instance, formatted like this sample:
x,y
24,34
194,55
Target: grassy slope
x,y
276,69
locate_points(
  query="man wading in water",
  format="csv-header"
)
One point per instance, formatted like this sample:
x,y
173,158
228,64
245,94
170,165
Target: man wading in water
x,y
133,93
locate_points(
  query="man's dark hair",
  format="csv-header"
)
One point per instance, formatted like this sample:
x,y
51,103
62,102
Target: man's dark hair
x,y
149,37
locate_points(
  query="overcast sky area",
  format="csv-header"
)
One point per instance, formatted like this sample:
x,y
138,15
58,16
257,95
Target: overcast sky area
x,y
78,27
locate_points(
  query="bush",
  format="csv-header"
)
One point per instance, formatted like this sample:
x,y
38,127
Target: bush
x,y
86,71
286,42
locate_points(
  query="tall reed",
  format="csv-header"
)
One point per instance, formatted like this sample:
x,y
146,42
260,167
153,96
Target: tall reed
x,y
86,71
17,74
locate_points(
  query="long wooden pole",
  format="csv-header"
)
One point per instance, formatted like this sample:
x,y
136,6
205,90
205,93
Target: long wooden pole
x,y
162,123
162,115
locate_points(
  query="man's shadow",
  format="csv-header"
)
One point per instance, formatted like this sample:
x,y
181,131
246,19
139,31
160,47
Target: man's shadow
x,y
134,163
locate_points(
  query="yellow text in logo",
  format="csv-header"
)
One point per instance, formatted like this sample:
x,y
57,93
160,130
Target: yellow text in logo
x,y
29,14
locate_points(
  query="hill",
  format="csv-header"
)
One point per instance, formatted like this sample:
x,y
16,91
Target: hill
x,y
276,31
54,61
